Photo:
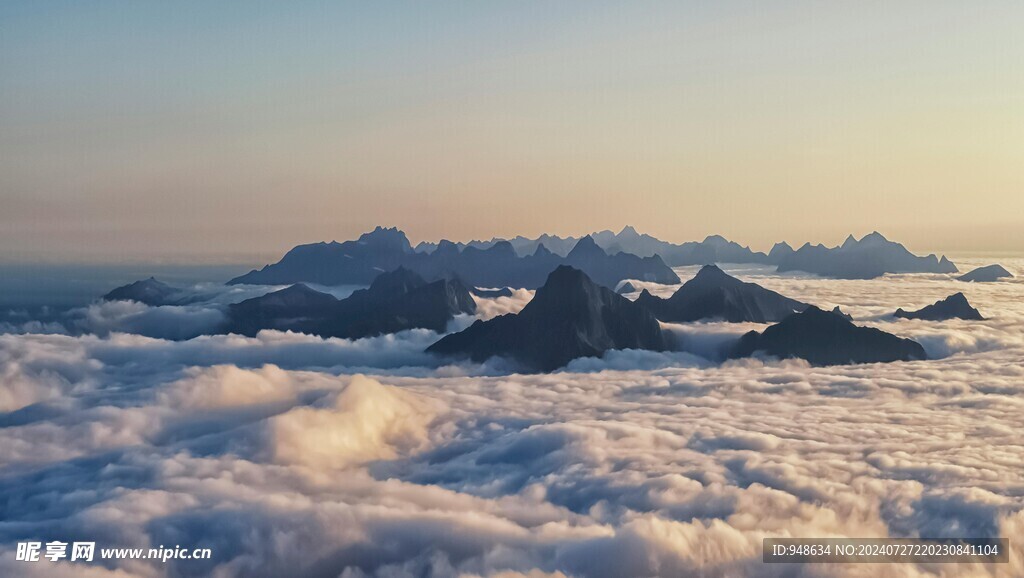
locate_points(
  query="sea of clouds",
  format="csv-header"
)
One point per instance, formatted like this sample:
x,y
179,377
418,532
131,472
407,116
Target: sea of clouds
x,y
291,455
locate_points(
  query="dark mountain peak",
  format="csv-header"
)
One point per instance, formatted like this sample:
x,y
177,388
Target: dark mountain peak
x,y
148,291
849,242
986,274
570,316
296,289
626,287
446,247
285,309
716,240
874,237
712,275
542,251
714,294
502,249
389,237
628,232
779,251
957,298
564,280
955,306
298,294
823,338
150,281
586,247
399,281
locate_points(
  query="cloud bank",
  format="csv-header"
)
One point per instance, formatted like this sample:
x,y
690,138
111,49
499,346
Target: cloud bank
x,y
276,453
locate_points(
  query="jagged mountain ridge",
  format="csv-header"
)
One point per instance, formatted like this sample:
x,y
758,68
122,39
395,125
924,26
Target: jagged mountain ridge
x,y
359,262
872,256
569,317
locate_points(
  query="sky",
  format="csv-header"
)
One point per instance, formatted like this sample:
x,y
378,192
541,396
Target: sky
x,y
231,131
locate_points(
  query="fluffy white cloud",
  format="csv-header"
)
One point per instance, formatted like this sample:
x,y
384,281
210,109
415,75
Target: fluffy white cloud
x,y
490,307
366,421
271,452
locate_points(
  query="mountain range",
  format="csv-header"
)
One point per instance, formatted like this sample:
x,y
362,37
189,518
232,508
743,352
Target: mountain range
x,y
395,301
713,249
872,256
359,262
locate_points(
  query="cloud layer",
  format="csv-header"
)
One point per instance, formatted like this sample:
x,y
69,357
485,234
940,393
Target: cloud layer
x,y
275,453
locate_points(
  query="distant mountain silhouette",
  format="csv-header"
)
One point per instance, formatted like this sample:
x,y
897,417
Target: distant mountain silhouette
x,y
396,301
522,245
151,292
779,252
823,338
713,249
872,256
359,262
986,274
608,270
712,293
569,317
953,307
356,262
296,308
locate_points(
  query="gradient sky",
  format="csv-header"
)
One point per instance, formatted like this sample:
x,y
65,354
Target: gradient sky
x,y
234,130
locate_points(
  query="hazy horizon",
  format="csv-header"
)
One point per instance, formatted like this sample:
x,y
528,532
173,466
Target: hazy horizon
x,y
260,257
236,131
